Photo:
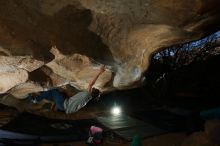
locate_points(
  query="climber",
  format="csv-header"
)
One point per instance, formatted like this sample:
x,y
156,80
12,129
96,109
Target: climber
x,y
71,104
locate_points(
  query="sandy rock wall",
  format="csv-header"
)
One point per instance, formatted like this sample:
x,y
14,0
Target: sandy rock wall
x,y
48,43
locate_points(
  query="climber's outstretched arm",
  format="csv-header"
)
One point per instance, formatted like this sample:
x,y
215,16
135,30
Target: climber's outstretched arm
x,y
102,69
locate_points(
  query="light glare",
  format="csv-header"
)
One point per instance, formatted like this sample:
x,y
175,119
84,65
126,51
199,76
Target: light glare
x,y
116,110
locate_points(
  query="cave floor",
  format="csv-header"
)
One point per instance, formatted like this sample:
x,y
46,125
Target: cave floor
x,y
174,139
92,110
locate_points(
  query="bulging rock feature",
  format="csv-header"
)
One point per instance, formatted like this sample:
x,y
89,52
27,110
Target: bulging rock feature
x,y
78,70
10,77
21,91
49,43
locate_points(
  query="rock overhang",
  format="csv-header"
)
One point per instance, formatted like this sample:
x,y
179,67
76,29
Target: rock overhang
x,y
69,40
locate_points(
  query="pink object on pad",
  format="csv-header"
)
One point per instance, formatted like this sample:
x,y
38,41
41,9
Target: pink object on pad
x,y
94,130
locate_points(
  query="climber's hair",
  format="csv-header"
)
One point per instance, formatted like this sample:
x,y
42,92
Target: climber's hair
x,y
95,92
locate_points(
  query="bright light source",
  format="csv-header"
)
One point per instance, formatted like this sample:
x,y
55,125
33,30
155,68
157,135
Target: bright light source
x,y
116,110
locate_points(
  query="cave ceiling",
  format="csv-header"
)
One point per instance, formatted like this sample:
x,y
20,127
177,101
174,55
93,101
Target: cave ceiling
x,y
49,43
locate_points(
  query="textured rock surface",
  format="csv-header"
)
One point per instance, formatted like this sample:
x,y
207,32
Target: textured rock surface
x,y
51,43
213,130
210,137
